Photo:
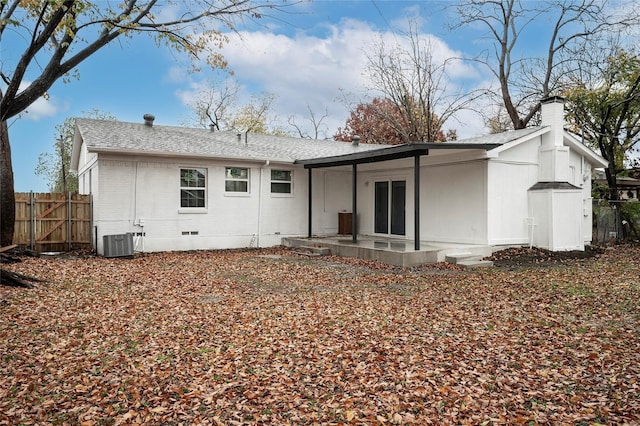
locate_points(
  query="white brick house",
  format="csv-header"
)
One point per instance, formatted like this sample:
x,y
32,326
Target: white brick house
x,y
182,189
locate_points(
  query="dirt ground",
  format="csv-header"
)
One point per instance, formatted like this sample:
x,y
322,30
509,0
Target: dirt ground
x,y
525,257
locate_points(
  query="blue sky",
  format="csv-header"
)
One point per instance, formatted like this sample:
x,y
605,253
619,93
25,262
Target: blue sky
x,y
311,57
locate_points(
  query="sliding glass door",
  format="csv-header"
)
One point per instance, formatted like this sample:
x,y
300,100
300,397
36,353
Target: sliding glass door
x,y
389,210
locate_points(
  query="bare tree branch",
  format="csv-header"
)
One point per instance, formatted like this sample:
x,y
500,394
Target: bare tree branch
x,y
576,25
418,86
56,33
317,127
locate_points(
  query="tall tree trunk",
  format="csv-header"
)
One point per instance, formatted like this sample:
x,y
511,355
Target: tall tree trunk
x,y
611,173
7,195
615,203
8,208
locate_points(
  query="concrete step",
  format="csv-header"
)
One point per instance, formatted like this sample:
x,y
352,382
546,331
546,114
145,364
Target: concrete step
x,y
314,251
461,256
476,263
468,260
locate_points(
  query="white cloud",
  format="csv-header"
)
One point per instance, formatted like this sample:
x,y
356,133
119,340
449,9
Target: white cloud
x,y
177,74
40,109
316,71
168,12
189,94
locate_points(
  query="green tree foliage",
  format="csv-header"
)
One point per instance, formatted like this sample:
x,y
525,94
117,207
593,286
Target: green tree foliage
x,y
605,109
54,165
257,117
604,106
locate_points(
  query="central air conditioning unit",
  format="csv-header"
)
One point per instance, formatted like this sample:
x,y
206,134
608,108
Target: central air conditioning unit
x,y
119,245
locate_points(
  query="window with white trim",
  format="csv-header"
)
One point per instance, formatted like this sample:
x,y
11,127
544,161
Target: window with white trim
x,y
193,188
236,179
281,182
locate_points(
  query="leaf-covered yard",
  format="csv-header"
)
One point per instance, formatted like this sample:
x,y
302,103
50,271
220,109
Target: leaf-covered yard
x,y
271,337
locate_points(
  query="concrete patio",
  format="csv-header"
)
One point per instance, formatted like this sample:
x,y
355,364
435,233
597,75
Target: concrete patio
x,y
393,251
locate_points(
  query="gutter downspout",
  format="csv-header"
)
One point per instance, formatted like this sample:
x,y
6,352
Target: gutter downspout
x,y
310,203
137,221
266,164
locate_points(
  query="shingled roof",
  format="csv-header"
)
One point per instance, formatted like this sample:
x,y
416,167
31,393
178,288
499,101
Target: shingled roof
x,y
123,137
103,136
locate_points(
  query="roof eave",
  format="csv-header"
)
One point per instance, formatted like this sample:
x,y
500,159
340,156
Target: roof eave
x,y
394,152
516,142
75,150
596,160
165,154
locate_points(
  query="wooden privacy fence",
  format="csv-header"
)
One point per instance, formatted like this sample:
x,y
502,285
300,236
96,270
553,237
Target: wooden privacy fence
x,y
52,221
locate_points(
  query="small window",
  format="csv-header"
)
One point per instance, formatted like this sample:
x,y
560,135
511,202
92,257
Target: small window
x,y
236,179
192,187
281,181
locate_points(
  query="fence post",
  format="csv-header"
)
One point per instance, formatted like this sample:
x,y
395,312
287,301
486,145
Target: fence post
x,y
69,221
32,221
94,243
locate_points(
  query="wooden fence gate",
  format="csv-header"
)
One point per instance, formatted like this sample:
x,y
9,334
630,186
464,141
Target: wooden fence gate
x,y
52,221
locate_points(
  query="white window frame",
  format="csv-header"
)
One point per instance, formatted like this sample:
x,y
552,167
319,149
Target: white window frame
x,y
279,181
193,209
236,179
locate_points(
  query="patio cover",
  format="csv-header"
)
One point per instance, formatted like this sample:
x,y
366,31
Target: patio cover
x,y
415,150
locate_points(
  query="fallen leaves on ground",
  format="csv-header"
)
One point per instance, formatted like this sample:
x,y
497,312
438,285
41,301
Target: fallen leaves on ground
x,y
250,337
525,257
